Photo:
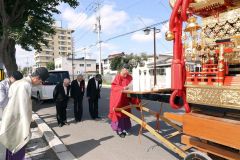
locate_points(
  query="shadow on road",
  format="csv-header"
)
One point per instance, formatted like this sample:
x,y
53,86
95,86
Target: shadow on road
x,y
81,148
158,143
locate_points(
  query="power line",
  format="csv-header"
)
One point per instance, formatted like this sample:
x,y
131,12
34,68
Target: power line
x,y
121,35
88,30
87,10
125,34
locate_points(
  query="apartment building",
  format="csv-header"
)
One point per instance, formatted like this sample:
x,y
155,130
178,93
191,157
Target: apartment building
x,y
59,44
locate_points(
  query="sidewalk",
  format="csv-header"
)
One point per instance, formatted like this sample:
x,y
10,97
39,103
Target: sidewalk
x,y
37,148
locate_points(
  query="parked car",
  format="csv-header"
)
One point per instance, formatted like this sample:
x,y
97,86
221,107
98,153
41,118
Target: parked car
x,y
45,91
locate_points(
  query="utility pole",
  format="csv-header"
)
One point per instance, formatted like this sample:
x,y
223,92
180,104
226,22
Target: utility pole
x,y
98,29
155,56
85,54
72,55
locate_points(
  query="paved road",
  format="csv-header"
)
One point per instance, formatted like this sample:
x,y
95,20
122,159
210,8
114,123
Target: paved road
x,y
91,139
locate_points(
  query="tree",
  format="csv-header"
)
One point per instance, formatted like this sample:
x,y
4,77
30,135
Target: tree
x,y
116,63
25,22
50,66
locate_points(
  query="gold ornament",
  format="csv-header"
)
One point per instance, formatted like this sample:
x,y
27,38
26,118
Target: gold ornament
x,y
192,25
169,36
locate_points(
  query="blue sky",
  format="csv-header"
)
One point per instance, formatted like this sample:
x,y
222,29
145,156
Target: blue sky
x,y
117,17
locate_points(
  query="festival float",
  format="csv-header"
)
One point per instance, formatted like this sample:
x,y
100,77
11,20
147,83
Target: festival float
x,y
205,80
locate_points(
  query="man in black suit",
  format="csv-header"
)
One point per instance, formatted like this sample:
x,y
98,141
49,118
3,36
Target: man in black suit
x,y
77,92
60,96
93,94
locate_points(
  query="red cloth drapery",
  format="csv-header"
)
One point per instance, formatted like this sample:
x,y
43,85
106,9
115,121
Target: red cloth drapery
x,y
117,98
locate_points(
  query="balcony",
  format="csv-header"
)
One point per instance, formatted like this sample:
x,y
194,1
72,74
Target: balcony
x,y
43,60
47,49
43,55
63,40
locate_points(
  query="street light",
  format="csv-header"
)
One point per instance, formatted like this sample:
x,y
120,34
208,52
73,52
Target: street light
x,y
147,32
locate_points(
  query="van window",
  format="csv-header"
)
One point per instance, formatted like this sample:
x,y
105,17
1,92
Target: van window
x,y
56,77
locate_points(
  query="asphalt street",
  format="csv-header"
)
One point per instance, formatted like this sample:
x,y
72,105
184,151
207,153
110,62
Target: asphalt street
x,y
94,139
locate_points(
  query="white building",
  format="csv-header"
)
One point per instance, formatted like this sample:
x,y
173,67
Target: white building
x,y
80,66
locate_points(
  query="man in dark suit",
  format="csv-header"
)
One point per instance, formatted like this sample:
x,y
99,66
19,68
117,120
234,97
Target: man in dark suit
x,y
60,96
77,92
93,94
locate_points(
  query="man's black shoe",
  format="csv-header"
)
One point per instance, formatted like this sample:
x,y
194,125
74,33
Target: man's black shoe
x,y
60,125
76,120
121,134
66,123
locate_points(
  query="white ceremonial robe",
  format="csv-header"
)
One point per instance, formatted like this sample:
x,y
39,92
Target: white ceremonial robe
x,y
17,116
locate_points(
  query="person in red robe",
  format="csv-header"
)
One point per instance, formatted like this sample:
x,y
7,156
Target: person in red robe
x,y
119,121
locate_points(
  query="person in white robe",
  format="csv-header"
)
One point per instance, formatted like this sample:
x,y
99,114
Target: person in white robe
x,y
15,130
4,89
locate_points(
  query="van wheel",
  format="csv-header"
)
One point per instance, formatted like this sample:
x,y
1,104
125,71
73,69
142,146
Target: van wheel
x,y
39,98
197,156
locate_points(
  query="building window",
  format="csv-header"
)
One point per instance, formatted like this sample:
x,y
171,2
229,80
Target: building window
x,y
62,32
62,48
161,71
69,37
81,65
47,52
69,43
61,43
69,48
61,37
88,65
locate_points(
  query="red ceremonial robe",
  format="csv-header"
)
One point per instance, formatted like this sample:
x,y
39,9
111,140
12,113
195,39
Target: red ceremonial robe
x,y
117,98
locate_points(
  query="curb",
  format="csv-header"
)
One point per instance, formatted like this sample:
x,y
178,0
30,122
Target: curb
x,y
54,142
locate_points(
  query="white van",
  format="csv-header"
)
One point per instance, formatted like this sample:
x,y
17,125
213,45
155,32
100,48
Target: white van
x,y
45,91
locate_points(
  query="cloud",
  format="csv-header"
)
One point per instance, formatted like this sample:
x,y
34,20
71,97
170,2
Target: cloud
x,y
24,58
111,19
73,18
93,52
141,37
109,46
